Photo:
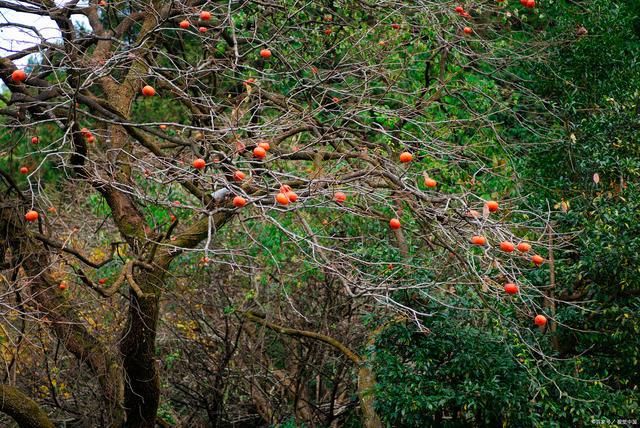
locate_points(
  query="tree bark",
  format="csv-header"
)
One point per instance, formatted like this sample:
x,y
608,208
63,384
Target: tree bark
x,y
66,324
22,409
142,394
366,383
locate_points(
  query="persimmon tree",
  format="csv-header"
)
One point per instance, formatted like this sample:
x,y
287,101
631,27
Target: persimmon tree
x,y
353,146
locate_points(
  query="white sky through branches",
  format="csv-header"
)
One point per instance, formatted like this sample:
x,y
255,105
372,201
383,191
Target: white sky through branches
x,y
14,38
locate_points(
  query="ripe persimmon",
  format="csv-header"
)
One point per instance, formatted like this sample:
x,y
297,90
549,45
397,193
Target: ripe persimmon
x,y
507,246
148,91
18,76
406,157
478,240
523,247
282,199
340,197
31,215
430,182
537,260
394,224
199,163
492,206
510,288
239,202
259,152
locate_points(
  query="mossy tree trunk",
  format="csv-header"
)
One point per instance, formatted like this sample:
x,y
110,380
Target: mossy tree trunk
x,y
32,256
22,409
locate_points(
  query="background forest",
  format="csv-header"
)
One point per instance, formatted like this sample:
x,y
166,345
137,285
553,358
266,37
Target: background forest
x,y
322,214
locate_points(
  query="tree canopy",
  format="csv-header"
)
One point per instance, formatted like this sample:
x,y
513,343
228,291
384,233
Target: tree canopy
x,y
321,214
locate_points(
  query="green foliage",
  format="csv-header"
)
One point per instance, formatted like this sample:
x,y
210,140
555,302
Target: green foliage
x,y
167,413
465,374
474,375
591,84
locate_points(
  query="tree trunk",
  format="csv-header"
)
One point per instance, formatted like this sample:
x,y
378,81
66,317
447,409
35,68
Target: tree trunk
x,y
66,324
366,383
22,409
142,392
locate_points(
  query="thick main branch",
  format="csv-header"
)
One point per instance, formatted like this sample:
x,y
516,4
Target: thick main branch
x,y
22,409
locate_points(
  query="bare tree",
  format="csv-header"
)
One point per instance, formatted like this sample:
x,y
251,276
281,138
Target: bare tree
x,y
327,123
